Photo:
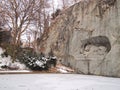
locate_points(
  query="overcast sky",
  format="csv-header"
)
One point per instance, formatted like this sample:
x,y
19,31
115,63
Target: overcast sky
x,y
58,3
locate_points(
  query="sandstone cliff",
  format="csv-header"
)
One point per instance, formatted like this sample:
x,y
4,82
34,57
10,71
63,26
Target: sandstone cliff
x,y
76,26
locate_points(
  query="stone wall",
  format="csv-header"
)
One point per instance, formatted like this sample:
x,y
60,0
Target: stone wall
x,y
82,21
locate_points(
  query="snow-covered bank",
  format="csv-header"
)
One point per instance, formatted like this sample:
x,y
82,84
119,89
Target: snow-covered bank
x,y
63,69
15,71
57,82
7,62
33,63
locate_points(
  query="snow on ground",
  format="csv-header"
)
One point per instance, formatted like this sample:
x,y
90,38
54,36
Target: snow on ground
x,y
63,69
57,82
7,61
58,69
14,71
6,65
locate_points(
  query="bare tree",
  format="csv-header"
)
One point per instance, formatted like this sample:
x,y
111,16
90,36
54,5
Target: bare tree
x,y
64,3
42,22
22,15
53,6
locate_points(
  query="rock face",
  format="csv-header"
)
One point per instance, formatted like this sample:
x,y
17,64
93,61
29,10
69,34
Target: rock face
x,y
83,22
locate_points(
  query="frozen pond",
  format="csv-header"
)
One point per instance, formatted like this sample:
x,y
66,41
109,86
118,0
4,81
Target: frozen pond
x,y
57,82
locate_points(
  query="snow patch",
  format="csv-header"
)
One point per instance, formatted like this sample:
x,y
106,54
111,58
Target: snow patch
x,y
58,82
64,69
6,62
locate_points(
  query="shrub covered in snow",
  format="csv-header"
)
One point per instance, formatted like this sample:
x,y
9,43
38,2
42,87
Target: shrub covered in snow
x,y
37,62
33,62
26,58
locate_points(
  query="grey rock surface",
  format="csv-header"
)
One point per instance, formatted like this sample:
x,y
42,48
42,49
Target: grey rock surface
x,y
80,22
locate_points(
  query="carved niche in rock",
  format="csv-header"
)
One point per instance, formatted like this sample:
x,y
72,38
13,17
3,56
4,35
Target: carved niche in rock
x,y
96,41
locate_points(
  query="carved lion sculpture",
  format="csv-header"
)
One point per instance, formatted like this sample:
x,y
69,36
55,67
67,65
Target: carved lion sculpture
x,y
97,41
